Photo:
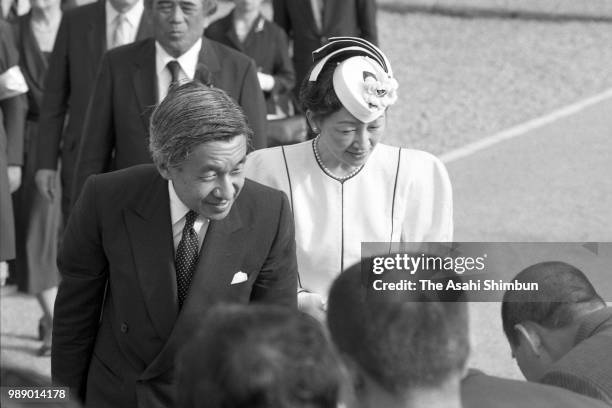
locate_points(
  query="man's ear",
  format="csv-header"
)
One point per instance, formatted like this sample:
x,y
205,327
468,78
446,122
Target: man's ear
x,y
529,333
163,171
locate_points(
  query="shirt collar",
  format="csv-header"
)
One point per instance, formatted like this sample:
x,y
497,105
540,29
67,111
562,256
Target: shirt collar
x,y
187,61
593,322
132,15
178,209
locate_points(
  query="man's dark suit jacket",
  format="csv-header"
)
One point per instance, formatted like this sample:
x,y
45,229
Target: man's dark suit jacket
x,y
120,234
587,368
484,391
116,131
355,18
74,62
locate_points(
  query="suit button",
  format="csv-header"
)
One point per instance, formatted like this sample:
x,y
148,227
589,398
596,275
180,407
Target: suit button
x,y
124,327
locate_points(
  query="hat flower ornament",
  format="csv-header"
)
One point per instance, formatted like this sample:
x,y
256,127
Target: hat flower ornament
x,y
379,94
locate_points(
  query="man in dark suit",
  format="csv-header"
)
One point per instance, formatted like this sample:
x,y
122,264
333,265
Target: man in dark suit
x,y
309,23
151,248
133,79
83,36
561,334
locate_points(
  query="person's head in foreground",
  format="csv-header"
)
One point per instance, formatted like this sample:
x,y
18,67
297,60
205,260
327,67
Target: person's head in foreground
x,y
541,326
402,348
258,357
345,97
179,24
198,140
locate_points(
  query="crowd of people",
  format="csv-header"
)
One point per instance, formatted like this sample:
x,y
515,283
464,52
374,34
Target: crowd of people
x,y
179,261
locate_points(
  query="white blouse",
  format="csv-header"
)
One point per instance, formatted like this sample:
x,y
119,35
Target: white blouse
x,y
400,195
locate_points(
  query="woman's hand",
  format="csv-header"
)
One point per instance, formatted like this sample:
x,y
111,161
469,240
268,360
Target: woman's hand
x,y
313,304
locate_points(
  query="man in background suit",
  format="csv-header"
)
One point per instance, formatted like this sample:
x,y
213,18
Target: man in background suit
x,y
561,334
151,248
133,79
309,23
83,36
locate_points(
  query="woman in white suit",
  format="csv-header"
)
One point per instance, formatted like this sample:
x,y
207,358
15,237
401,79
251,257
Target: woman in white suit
x,y
345,187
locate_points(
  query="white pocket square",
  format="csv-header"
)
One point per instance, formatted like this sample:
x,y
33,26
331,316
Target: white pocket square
x,y
239,277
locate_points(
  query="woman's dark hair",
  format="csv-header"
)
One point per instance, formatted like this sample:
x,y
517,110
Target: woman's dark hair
x,y
320,97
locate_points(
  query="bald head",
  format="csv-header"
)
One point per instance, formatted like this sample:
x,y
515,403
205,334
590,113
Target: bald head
x,y
564,293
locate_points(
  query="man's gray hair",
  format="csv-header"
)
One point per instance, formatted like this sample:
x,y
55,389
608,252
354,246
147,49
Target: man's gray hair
x,y
190,115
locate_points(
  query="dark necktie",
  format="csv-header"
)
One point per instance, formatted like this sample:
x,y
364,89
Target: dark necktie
x,y
175,69
186,257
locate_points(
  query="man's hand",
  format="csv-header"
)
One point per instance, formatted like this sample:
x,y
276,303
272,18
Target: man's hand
x,y
266,82
45,181
14,177
313,304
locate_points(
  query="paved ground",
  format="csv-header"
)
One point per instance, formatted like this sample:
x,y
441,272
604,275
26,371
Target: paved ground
x,y
550,184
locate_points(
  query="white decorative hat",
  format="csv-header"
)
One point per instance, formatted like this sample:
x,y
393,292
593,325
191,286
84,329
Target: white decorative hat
x,y
363,79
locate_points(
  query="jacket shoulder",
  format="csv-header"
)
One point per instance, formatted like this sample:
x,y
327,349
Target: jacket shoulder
x,y
260,197
132,51
125,183
229,54
85,13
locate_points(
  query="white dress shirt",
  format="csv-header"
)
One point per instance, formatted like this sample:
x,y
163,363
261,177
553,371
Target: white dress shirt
x,y
188,62
133,17
178,211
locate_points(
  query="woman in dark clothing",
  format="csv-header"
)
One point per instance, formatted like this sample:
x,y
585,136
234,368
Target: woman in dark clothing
x,y
37,219
246,30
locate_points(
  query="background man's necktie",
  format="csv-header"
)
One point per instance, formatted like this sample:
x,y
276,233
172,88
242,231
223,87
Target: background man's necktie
x,y
175,69
120,35
186,257
317,12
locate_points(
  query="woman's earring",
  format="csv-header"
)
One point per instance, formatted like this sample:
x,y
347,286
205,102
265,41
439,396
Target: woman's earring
x,y
315,130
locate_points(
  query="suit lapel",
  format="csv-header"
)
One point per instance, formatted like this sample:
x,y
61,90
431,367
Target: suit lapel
x,y
149,226
326,16
33,59
145,81
96,34
217,264
144,28
208,64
